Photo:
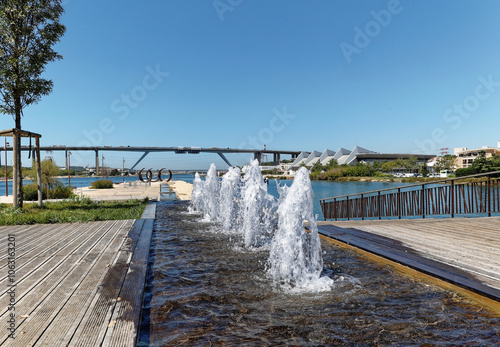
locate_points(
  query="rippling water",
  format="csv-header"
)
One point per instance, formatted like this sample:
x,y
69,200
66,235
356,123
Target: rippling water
x,y
204,288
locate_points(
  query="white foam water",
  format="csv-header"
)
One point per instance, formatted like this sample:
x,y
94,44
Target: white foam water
x,y
196,194
295,255
229,198
295,260
257,208
210,195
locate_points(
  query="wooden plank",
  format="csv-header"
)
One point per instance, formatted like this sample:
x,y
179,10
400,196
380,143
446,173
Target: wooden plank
x,y
92,329
126,317
50,303
49,266
29,258
69,278
411,259
448,241
62,327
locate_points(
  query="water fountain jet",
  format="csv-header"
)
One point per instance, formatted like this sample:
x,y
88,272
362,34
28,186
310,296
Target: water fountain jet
x,y
295,255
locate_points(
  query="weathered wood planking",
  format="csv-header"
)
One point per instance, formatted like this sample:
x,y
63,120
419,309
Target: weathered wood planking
x,y
463,251
69,279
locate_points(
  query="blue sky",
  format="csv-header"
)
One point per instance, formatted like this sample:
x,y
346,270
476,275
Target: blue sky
x,y
390,76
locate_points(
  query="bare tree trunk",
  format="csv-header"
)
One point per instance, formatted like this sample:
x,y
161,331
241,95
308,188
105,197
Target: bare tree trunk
x,y
18,175
14,171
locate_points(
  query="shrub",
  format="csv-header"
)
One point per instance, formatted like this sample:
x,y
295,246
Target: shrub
x,y
102,184
60,191
465,171
30,192
57,191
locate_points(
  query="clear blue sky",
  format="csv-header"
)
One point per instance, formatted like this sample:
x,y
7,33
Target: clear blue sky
x,y
390,76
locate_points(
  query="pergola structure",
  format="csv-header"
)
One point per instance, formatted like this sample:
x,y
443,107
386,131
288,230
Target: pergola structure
x,y
17,134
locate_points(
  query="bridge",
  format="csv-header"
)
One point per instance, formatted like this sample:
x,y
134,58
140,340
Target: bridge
x,y
258,153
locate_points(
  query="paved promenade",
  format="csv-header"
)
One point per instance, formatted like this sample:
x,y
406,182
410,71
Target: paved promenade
x,y
131,190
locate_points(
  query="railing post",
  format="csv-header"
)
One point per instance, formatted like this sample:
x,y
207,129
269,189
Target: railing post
x,y
422,201
347,207
452,197
379,207
335,208
489,196
362,209
399,203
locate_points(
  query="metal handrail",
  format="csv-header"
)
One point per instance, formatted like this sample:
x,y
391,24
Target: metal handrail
x,y
440,197
414,185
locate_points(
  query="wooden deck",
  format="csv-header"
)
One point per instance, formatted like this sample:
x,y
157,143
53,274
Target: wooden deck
x,y
461,251
75,284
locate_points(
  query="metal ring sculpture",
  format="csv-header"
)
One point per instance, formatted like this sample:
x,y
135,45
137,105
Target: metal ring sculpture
x,y
149,176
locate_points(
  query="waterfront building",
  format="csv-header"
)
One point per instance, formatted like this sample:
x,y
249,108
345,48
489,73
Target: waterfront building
x,y
357,155
465,157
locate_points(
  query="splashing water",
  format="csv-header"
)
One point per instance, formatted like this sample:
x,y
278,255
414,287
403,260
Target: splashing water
x,y
295,256
228,199
295,260
210,195
257,208
197,194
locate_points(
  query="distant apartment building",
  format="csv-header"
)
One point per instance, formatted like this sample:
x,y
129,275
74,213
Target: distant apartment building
x,y
465,157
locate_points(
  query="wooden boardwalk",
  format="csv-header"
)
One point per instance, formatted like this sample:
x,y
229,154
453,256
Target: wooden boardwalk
x,y
77,284
462,251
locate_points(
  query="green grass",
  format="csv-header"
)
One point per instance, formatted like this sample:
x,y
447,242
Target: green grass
x,y
71,211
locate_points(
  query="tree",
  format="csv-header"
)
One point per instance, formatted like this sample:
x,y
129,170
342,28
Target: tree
x,y
49,171
424,171
445,162
333,163
317,167
28,30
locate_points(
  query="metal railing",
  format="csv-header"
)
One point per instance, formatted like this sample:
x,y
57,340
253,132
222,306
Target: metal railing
x,y
443,197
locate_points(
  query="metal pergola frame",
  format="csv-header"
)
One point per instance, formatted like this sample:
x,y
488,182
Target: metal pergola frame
x,y
17,134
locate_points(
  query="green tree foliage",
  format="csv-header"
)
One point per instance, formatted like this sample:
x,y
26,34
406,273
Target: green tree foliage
x,y
49,172
9,172
481,165
101,184
317,167
445,162
331,164
28,30
64,172
424,171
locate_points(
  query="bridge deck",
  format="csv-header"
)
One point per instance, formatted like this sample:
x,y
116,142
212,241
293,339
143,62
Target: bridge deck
x,y
75,284
463,251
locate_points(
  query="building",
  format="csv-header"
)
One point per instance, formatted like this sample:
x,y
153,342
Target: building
x,y
357,155
465,157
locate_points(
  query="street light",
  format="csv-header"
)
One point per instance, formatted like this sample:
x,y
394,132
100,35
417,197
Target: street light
x,y
102,167
69,169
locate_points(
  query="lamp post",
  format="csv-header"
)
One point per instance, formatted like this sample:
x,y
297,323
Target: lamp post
x,y
69,169
123,171
102,167
6,175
